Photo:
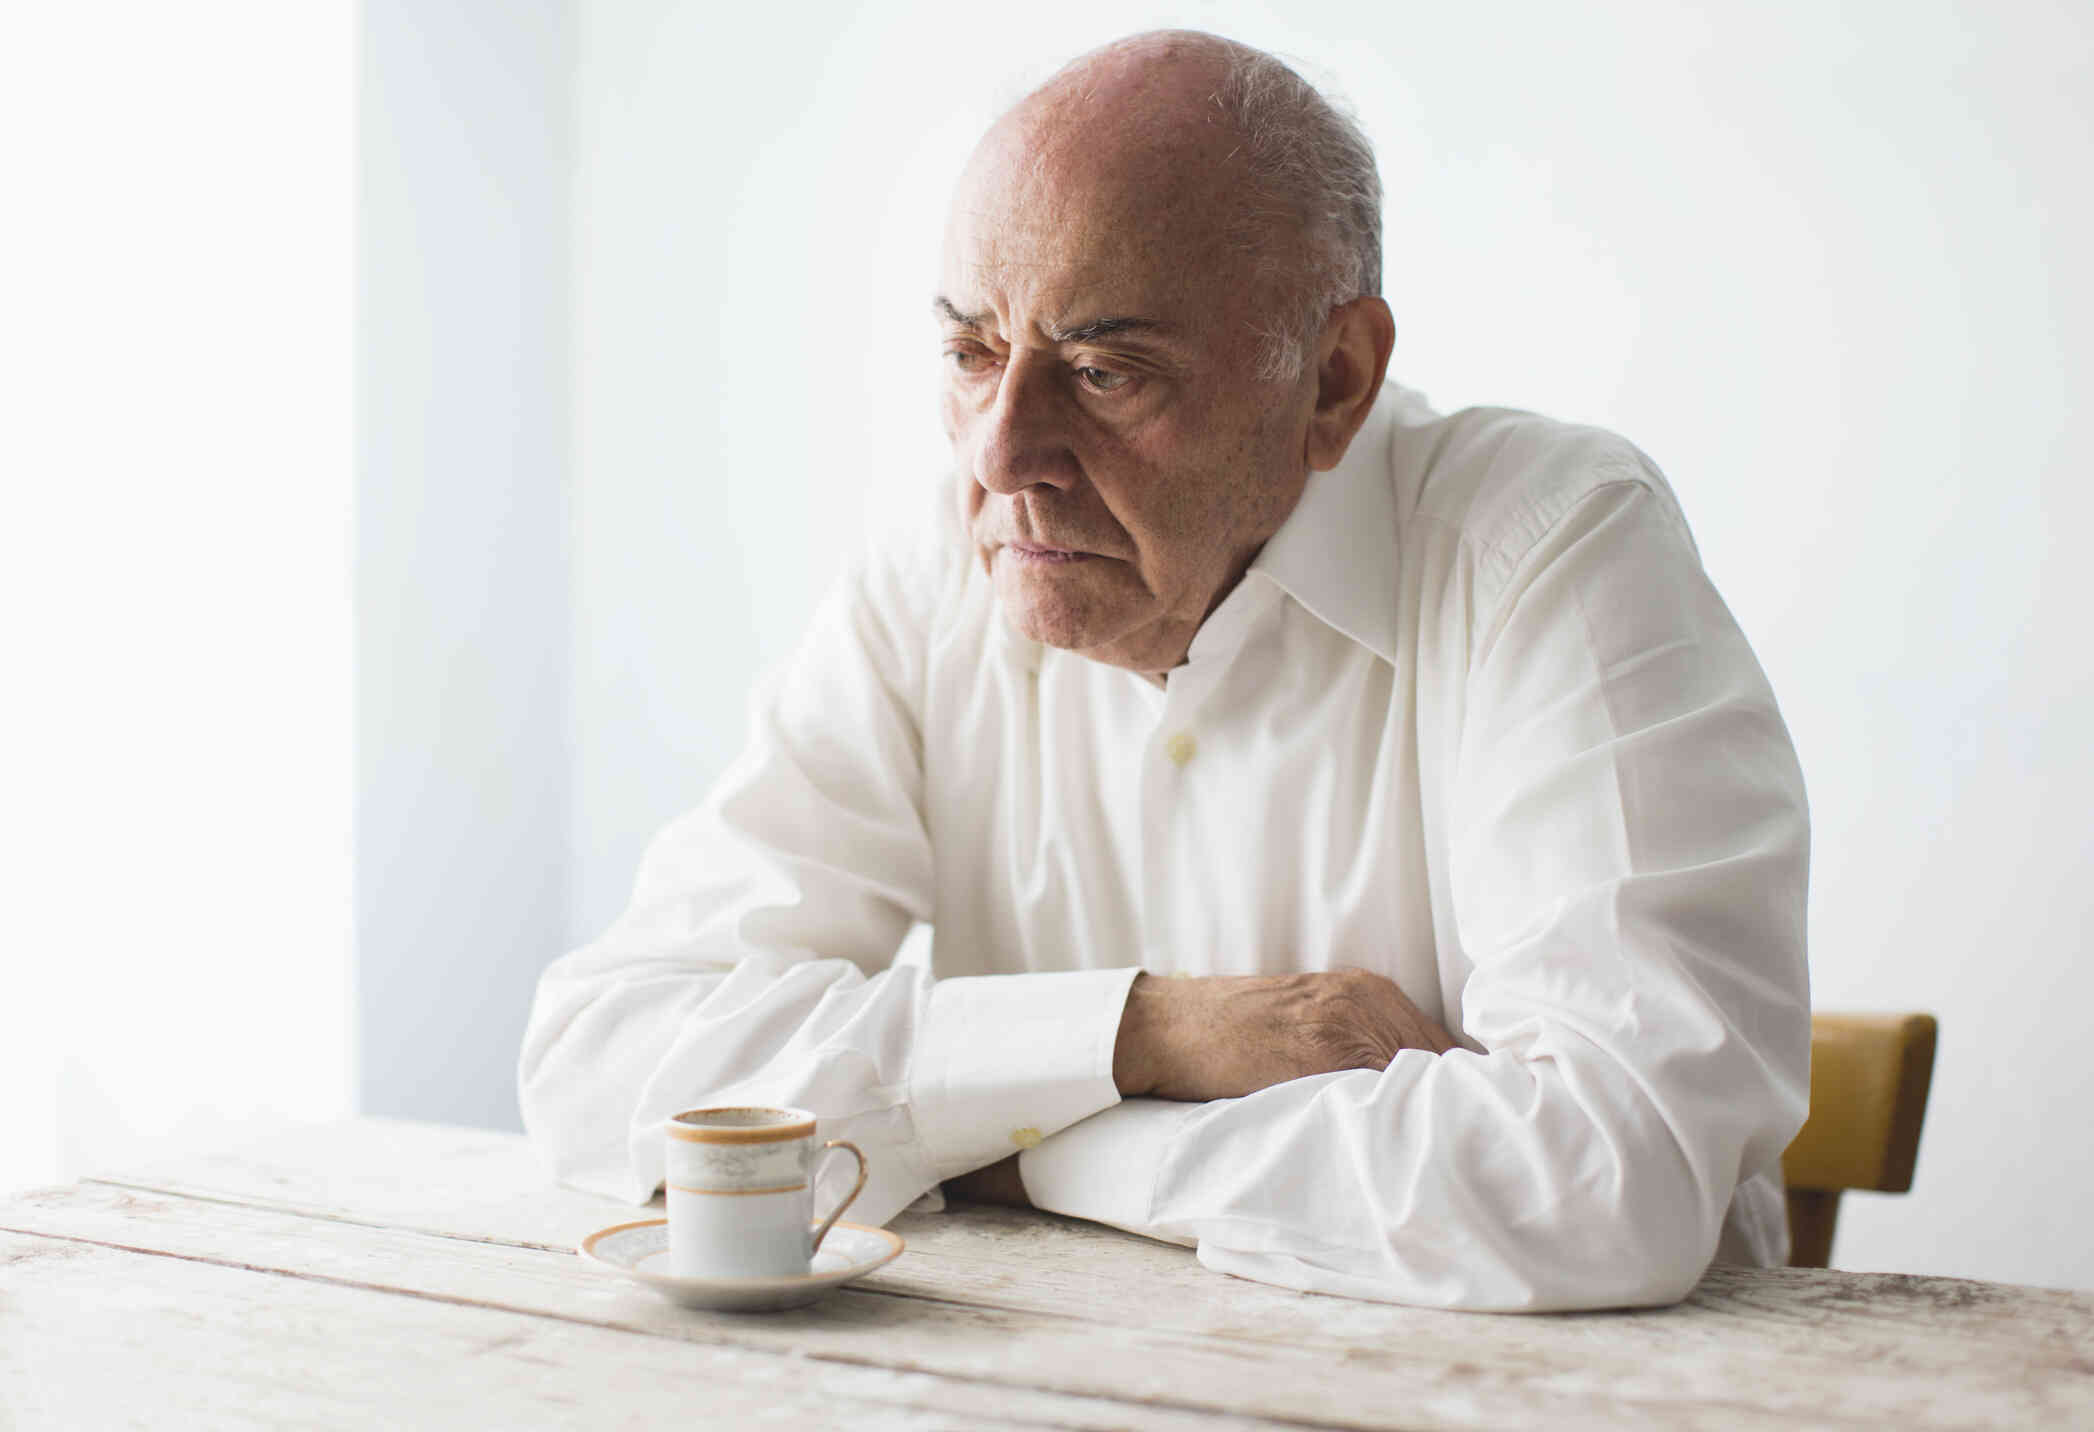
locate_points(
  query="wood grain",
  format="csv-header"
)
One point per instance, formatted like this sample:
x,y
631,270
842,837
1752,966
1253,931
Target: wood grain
x,y
393,1173
98,1337
1048,1306
486,1186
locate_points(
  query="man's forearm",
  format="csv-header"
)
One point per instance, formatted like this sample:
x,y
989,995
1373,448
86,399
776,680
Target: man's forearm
x,y
1134,1053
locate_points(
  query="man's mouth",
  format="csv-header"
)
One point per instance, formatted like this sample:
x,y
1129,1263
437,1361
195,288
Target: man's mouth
x,y
1035,552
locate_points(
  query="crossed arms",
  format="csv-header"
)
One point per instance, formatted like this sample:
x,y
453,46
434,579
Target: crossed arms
x,y
1226,1036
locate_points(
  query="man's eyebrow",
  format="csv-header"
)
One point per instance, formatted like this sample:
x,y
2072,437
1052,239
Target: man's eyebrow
x,y
1090,332
943,307
1105,327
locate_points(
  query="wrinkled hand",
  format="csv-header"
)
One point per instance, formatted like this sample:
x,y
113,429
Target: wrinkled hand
x,y
1224,1036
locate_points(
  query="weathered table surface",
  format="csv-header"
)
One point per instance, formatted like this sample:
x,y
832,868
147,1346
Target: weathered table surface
x,y
379,1273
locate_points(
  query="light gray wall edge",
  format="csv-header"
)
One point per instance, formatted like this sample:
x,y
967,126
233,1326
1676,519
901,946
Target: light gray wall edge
x,y
462,421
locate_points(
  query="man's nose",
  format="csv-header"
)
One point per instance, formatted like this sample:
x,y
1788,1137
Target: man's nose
x,y
1023,440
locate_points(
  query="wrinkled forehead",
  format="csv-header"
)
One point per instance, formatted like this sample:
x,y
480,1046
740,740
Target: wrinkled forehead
x,y
1081,204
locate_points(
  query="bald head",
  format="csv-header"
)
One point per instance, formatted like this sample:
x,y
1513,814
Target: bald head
x,y
1157,87
1202,123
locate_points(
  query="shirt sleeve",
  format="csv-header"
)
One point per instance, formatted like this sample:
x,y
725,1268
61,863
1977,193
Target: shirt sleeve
x,y
756,960
1627,846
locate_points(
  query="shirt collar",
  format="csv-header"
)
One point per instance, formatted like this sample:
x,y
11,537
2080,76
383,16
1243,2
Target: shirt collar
x,y
1336,552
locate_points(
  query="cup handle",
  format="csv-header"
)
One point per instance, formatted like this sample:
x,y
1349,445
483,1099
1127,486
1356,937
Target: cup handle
x,y
848,1199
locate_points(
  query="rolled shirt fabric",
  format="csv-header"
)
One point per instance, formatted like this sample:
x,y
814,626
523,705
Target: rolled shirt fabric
x,y
1475,719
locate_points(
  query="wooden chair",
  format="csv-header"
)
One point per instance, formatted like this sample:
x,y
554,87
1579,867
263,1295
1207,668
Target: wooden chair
x,y
1868,1092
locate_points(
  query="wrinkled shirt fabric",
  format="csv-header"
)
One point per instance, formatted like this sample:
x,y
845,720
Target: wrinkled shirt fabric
x,y
1474,719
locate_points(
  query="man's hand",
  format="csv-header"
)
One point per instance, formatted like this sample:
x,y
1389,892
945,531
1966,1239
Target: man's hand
x,y
1224,1036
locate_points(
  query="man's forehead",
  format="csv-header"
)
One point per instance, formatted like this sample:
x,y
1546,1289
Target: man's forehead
x,y
1120,189
1089,245
1130,292
1062,161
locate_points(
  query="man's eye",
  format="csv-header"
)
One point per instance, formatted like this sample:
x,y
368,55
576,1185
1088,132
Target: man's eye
x,y
1099,380
968,360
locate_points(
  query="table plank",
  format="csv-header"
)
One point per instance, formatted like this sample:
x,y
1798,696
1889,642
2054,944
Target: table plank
x,y
476,1183
96,1336
1012,1353
1932,1327
1750,1357
395,1173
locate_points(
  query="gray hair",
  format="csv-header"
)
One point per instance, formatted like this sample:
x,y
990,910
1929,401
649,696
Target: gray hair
x,y
1312,175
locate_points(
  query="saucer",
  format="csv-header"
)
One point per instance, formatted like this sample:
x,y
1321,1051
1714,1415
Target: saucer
x,y
640,1251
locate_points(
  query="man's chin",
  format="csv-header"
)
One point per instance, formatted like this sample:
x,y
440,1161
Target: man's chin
x,y
1052,618
1084,607
1047,627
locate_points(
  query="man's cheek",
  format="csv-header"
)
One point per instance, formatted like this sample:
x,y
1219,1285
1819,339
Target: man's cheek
x,y
967,499
951,414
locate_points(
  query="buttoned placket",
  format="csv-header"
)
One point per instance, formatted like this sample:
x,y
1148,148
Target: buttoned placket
x,y
1172,759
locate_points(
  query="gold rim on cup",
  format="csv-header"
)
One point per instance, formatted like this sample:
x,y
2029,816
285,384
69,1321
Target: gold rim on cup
x,y
793,1125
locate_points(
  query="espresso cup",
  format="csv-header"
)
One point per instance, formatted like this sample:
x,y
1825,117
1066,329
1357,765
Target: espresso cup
x,y
741,1192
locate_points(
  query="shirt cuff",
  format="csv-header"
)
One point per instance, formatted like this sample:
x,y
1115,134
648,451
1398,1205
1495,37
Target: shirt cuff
x,y
1105,1168
1004,1061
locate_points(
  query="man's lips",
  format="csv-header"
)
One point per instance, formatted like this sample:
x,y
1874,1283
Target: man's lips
x,y
1038,552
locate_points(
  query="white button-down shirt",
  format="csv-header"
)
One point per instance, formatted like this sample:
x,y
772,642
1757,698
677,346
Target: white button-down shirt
x,y
1475,719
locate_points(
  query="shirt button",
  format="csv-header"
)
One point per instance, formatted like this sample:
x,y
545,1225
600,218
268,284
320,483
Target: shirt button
x,y
1026,1138
1181,748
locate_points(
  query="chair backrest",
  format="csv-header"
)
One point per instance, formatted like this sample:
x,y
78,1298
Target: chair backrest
x,y
1869,1075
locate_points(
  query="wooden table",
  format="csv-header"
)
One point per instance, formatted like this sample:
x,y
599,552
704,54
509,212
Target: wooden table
x,y
383,1274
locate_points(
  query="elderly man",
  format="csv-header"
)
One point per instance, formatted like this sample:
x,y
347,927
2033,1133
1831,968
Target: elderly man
x,y
1358,841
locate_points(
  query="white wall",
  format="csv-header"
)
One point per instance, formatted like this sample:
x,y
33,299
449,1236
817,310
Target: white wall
x,y
174,576
756,202
1825,263
463,405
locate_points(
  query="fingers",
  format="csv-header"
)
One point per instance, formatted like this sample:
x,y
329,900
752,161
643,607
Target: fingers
x,y
1225,1036
1364,1012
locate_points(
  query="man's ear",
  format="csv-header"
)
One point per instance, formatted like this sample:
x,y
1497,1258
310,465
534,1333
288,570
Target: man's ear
x,y
1352,355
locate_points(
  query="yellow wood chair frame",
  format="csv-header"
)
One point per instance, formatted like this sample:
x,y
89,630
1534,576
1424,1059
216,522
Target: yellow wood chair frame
x,y
1869,1076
